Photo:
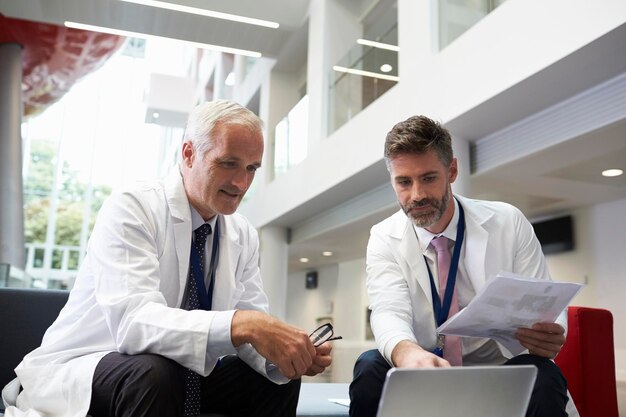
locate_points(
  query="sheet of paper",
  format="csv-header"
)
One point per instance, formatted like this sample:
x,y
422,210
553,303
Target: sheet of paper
x,y
508,302
341,401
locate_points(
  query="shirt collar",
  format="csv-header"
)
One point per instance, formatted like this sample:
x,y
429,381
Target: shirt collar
x,y
424,236
197,220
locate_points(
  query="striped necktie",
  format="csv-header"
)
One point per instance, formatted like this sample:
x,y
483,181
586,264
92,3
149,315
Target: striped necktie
x,y
192,379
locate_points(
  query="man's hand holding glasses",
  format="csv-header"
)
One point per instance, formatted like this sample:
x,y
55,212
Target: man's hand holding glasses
x,y
323,334
322,359
285,346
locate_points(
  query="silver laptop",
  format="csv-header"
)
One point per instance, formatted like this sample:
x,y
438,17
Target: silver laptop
x,y
471,391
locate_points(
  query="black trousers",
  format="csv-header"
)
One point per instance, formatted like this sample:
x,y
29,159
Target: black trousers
x,y
153,386
548,398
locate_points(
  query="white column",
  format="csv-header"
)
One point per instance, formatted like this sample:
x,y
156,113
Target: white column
x,y
218,79
461,150
351,301
11,188
333,29
418,39
273,264
239,68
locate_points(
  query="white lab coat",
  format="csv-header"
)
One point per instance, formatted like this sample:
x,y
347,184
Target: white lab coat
x,y
127,298
497,238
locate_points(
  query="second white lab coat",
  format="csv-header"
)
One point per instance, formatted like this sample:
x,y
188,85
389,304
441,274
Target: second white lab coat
x,y
497,238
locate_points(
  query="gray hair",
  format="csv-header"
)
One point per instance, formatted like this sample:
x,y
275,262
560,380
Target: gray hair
x,y
208,116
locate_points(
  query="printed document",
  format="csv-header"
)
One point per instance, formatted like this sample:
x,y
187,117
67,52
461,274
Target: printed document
x,y
507,302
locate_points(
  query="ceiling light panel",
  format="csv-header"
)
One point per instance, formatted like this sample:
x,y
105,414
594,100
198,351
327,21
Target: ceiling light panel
x,y
379,45
366,73
205,12
146,36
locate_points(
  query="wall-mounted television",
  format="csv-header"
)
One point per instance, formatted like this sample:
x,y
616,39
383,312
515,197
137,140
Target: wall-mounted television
x,y
555,235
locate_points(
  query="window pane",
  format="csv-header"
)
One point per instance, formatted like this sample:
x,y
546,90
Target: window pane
x,y
38,261
57,258
88,143
72,262
457,16
364,74
291,137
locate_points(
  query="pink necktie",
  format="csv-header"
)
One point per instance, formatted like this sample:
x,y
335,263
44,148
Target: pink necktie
x,y
452,344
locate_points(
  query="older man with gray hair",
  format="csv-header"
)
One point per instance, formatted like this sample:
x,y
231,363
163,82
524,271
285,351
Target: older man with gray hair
x,y
168,316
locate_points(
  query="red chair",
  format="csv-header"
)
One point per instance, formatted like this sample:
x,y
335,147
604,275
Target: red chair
x,y
588,361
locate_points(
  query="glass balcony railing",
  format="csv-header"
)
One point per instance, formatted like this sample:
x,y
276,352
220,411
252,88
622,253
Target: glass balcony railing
x,y
364,74
291,138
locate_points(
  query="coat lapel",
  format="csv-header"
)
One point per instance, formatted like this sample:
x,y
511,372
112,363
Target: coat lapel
x,y
181,218
476,242
409,250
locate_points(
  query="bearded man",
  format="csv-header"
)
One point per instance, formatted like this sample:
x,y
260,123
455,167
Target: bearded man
x,y
440,241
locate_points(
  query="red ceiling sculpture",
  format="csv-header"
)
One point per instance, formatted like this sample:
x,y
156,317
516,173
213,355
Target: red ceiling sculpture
x,y
54,58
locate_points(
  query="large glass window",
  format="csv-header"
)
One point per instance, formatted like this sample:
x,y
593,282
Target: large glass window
x,y
91,142
457,16
291,137
366,72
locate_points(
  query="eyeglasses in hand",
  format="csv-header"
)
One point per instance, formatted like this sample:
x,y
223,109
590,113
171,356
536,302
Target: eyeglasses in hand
x,y
323,334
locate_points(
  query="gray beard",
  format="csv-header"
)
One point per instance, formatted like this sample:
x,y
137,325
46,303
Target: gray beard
x,y
426,220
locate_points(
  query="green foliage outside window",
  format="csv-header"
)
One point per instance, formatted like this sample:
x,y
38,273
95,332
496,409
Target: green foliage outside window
x,y
71,197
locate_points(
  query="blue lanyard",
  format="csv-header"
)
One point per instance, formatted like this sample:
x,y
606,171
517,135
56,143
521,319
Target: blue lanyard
x,y
206,297
441,312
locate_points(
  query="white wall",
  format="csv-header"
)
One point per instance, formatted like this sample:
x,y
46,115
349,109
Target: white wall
x,y
340,294
305,306
273,251
350,319
515,41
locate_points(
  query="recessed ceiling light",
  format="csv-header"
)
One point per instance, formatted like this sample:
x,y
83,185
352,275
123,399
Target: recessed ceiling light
x,y
139,35
304,260
386,68
327,253
612,172
156,114
206,12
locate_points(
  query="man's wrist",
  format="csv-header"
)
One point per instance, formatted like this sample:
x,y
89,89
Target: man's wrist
x,y
400,349
238,329
243,328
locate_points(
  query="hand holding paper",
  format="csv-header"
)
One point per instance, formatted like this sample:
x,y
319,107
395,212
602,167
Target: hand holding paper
x,y
508,302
